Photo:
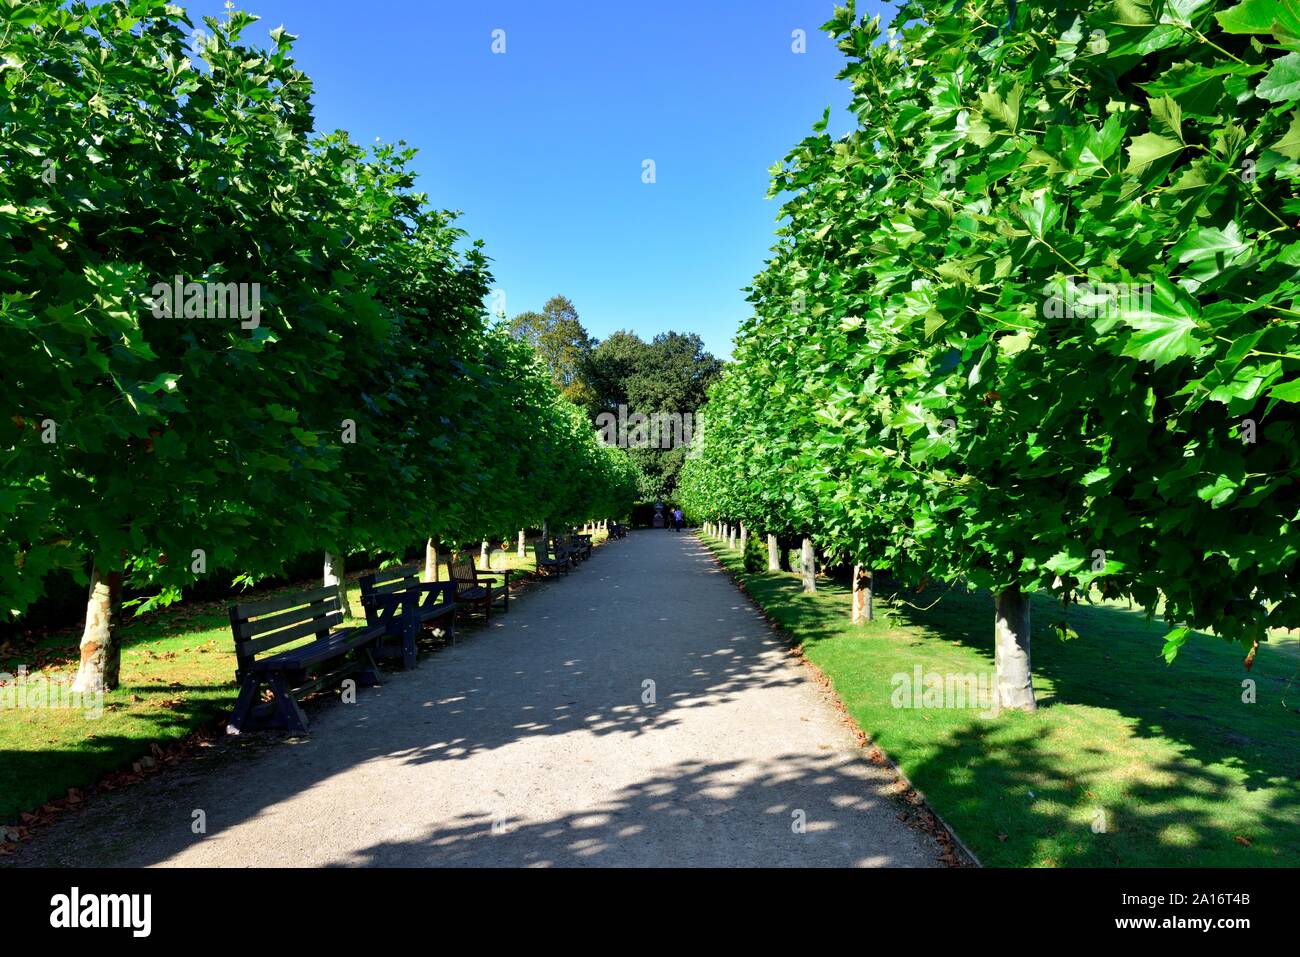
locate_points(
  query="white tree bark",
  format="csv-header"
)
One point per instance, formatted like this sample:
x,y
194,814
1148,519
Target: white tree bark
x,y
744,537
335,577
863,588
773,554
807,566
483,555
430,561
522,548
1013,676
101,651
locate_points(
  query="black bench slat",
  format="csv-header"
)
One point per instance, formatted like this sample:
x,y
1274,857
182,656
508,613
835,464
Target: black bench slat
x,y
400,584
312,626
260,626
258,608
317,651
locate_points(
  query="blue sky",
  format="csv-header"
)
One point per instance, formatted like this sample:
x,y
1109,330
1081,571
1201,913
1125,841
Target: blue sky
x,y
542,147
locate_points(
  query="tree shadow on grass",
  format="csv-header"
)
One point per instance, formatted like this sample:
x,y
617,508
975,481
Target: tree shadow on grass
x,y
1115,664
1028,802
1167,760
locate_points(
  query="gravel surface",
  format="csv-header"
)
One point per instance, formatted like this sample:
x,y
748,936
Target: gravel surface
x,y
536,742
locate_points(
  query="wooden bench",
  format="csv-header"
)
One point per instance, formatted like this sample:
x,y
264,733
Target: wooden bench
x,y
584,545
617,531
470,589
565,551
576,547
545,561
265,626
396,600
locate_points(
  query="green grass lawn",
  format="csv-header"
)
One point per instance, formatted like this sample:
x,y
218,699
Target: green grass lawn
x,y
178,669
1179,769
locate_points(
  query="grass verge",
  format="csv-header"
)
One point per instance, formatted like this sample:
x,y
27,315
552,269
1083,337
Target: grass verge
x,y
1129,762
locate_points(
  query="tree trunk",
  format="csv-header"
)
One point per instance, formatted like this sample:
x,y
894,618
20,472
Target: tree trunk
x,y
1013,678
430,561
784,556
335,577
863,586
744,537
522,550
546,538
483,555
807,566
101,652
773,554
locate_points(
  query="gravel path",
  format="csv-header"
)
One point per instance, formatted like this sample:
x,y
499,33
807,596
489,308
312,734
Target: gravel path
x,y
529,744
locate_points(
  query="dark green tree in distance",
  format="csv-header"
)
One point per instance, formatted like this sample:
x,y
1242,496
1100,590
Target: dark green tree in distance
x,y
669,375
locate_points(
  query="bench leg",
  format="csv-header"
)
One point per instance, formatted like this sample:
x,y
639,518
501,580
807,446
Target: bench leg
x,y
368,671
408,654
243,710
410,635
289,715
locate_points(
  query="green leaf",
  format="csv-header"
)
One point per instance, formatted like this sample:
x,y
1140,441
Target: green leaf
x,y
1286,391
1041,215
1165,324
1282,83
1278,17
1289,144
1148,148
1174,640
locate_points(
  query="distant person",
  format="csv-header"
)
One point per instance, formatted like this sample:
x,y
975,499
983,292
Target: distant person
x,y
677,519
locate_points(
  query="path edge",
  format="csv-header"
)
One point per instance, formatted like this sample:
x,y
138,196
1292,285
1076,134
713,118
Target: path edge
x,y
865,742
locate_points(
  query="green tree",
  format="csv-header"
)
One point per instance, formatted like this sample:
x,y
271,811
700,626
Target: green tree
x,y
668,378
1031,325
560,339
360,403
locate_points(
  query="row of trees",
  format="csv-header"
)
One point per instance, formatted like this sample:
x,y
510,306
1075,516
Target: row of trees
x,y
1031,324
228,341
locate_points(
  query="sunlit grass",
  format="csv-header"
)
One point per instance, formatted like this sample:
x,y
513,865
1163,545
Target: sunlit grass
x,y
1166,761
177,675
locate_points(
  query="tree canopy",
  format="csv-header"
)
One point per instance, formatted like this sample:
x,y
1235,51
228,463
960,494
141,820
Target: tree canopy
x,y
1031,324
230,340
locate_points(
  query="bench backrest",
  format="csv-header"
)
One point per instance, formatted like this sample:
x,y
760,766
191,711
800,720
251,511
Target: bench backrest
x,y
264,626
384,581
460,568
